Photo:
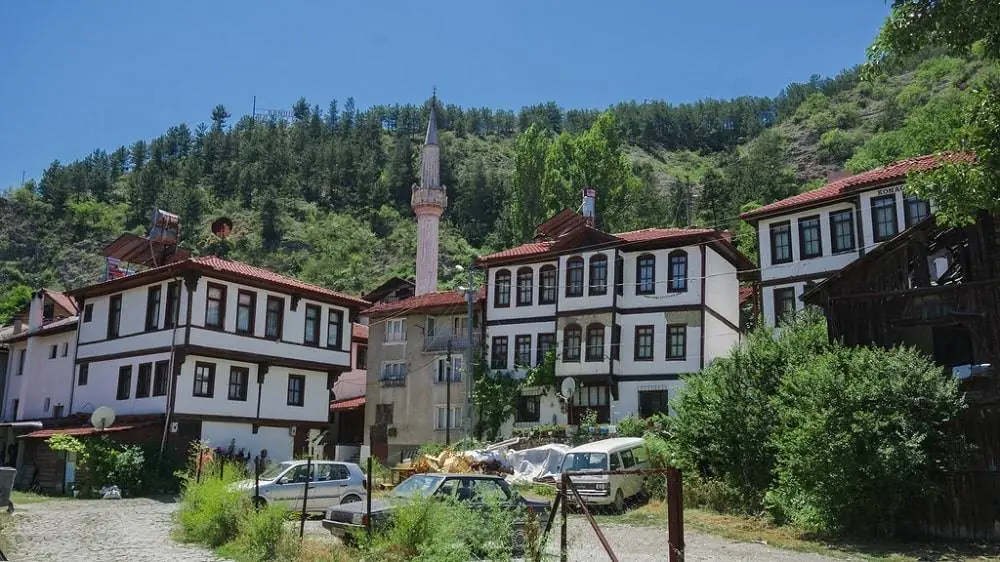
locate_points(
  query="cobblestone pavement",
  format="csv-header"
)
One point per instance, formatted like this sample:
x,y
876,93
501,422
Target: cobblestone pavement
x,y
101,531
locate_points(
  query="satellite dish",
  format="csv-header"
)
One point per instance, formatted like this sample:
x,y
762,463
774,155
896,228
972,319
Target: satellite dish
x,y
102,418
222,226
568,387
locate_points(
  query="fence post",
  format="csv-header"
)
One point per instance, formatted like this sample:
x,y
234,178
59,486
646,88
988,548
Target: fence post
x,y
368,500
564,540
222,469
305,496
256,480
675,515
197,463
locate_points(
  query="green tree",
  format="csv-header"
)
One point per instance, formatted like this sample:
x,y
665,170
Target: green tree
x,y
526,208
12,299
717,206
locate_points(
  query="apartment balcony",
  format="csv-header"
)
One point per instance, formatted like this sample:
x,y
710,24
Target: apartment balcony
x,y
393,375
439,342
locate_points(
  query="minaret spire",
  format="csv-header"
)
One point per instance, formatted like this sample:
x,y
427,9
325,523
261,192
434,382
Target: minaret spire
x,y
429,200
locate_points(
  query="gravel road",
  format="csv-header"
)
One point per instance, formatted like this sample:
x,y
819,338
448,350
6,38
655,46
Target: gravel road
x,y
100,530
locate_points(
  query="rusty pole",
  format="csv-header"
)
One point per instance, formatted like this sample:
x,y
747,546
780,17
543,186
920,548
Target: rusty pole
x,y
675,516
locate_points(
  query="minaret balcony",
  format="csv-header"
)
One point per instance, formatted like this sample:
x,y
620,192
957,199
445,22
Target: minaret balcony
x,y
428,196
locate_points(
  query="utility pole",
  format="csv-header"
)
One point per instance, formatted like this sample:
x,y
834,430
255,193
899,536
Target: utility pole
x,y
447,399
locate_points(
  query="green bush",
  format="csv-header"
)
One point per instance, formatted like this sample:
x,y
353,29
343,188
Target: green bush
x,y
711,493
260,535
631,426
863,432
210,511
102,462
837,145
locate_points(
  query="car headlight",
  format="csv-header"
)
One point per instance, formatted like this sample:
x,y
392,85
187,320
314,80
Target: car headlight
x,y
357,518
601,486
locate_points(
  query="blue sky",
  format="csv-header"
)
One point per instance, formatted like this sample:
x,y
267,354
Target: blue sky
x,y
75,76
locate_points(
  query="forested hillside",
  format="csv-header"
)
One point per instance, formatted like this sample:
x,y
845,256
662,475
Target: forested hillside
x,y
325,194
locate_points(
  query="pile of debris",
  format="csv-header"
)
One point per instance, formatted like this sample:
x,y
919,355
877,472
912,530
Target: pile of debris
x,y
485,461
539,464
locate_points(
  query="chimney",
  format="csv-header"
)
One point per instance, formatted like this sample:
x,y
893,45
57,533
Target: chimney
x,y
35,310
589,202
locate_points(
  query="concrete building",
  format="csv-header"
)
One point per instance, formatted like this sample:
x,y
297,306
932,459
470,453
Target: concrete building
x,y
806,238
625,314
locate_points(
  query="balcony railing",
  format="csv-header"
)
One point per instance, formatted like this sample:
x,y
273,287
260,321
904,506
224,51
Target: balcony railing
x,y
393,377
439,342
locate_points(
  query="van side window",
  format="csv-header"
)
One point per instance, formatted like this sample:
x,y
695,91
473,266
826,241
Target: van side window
x,y
615,463
640,455
628,461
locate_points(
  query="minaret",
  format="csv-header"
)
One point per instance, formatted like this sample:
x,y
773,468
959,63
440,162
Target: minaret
x,y
429,201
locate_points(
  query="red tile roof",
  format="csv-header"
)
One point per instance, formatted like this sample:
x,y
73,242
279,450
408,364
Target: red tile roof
x,y
524,250
215,263
347,404
648,234
851,184
439,299
55,327
746,293
63,300
81,431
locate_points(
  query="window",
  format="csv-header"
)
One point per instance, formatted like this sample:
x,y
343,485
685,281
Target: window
x,y
652,402
547,283
53,351
620,274
46,404
383,414
884,221
590,398
842,231
88,312
444,371
20,361
628,460
296,390
572,339
643,343
616,341
204,380
395,330
595,342
13,407
546,343
215,306
335,329
160,378
114,316
916,210
173,304
144,380
598,275
501,293
430,326
441,418
677,272
676,342
645,275
311,336
498,355
361,357
810,243
522,351
65,349
153,308
784,303
393,374
574,277
83,375
246,312
239,378
460,327
57,411
525,278
274,318
781,242
528,409
124,382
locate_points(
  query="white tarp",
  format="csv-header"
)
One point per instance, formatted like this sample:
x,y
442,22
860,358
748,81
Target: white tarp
x,y
535,464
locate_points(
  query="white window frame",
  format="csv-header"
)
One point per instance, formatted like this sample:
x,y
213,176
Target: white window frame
x,y
440,416
395,330
457,362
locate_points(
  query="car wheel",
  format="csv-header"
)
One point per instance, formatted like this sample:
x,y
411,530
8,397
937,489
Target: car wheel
x,y
350,498
259,502
619,502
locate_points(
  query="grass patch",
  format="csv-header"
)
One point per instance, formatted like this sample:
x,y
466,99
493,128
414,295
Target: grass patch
x,y
23,498
536,491
753,529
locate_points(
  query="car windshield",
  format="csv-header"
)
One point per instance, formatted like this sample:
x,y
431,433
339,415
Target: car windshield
x,y
273,471
420,484
585,461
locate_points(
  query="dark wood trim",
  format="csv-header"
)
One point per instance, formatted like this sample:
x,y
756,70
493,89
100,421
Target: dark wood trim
x,y
528,320
638,268
854,194
118,328
774,247
802,236
253,312
721,318
243,357
798,278
704,280
120,338
895,217
211,379
262,370
662,308
319,325
635,343
266,422
122,355
222,306
281,317
615,353
582,311
639,378
340,340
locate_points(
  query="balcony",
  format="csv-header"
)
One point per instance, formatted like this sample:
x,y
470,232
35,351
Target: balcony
x,y
439,342
393,374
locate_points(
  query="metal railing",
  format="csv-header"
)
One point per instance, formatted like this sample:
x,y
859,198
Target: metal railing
x,y
439,342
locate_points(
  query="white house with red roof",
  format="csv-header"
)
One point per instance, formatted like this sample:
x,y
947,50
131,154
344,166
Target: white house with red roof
x,y
805,238
625,314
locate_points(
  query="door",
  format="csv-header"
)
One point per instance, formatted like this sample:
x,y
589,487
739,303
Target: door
x,y
292,487
328,485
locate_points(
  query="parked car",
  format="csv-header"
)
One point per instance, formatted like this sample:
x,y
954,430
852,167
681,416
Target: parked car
x,y
285,484
609,454
343,520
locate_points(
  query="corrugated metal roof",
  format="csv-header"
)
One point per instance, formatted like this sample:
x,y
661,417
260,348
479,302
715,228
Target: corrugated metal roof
x,y
439,299
347,404
81,431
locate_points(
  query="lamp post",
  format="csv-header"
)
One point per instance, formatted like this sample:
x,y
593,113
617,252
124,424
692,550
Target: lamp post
x,y
470,298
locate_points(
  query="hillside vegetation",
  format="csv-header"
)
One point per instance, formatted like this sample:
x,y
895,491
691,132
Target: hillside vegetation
x,y
325,195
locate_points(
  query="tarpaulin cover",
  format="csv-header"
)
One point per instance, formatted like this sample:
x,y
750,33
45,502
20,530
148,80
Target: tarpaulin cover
x,y
538,464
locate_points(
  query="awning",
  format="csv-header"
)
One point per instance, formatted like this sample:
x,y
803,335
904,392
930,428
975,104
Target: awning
x,y
80,431
347,404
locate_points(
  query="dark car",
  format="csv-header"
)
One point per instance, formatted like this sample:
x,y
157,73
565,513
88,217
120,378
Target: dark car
x,y
343,520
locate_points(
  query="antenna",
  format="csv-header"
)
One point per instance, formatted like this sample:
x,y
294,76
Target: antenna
x,y
102,418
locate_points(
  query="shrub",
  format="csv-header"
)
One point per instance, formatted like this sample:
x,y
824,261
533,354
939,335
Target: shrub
x,y
260,535
863,432
838,145
710,493
210,511
103,462
631,426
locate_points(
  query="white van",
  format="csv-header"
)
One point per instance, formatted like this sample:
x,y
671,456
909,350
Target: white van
x,y
609,454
